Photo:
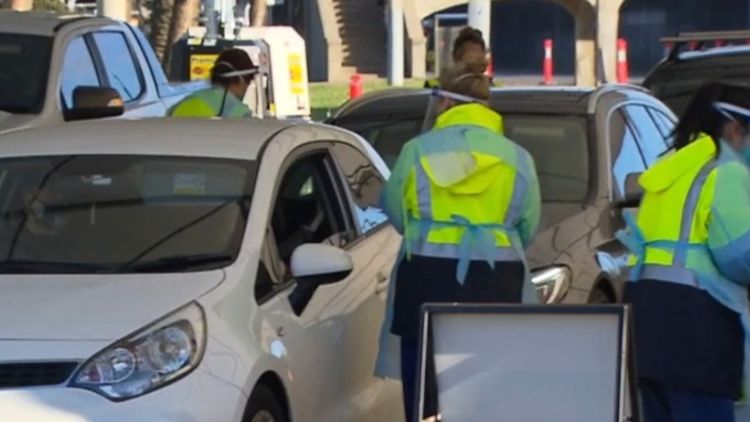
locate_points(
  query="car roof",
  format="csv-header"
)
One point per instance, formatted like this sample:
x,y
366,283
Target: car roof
x,y
216,138
536,100
39,23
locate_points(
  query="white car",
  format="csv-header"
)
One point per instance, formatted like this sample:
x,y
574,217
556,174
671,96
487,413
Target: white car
x,y
192,270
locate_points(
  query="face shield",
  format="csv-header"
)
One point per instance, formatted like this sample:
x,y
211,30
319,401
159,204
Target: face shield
x,y
741,116
440,101
245,75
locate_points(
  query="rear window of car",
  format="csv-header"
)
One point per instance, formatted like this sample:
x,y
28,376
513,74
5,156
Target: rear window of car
x,y
558,144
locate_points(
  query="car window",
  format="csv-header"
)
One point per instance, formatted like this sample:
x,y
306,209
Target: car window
x,y
559,146
364,183
652,141
78,70
386,136
24,64
307,209
118,62
627,157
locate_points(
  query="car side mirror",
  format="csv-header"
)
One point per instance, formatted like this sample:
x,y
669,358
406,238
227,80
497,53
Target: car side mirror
x,y
314,265
94,102
633,192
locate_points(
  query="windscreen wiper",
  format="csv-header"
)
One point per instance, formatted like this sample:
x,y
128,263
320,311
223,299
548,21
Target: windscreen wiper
x,y
28,266
178,263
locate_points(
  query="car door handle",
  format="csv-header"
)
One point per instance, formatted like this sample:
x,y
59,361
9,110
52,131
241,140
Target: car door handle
x,y
280,331
381,282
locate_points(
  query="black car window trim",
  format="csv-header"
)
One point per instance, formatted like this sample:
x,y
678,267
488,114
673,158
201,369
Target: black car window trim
x,y
102,69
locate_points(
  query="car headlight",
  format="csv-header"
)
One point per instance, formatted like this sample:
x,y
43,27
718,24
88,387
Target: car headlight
x,y
552,283
148,359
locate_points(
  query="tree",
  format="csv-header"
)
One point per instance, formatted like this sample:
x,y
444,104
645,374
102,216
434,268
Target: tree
x,y
161,19
184,15
258,13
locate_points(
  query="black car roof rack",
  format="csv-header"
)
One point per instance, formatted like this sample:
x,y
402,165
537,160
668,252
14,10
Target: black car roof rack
x,y
699,40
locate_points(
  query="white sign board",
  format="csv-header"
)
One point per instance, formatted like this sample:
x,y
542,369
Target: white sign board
x,y
527,363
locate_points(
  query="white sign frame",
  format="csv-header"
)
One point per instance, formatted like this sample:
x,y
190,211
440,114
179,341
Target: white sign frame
x,y
626,403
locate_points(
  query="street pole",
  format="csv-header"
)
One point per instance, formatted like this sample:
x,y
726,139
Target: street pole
x,y
396,43
114,9
480,13
212,25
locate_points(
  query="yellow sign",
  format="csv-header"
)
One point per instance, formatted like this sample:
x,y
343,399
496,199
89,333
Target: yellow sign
x,y
296,75
201,65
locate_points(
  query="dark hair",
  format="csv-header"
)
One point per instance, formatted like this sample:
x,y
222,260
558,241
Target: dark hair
x,y
467,36
699,117
231,60
467,77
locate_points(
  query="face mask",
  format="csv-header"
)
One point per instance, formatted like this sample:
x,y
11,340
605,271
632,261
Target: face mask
x,y
745,154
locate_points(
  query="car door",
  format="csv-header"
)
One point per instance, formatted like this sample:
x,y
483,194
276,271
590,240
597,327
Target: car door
x,y
328,344
374,253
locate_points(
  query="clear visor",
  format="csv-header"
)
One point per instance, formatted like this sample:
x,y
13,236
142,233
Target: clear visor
x,y
733,113
440,101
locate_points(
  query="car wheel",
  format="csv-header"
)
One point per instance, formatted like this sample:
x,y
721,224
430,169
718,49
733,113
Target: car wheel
x,y
263,407
600,296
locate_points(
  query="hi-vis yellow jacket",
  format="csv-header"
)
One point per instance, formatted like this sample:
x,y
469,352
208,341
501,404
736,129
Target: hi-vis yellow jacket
x,y
693,228
464,191
211,102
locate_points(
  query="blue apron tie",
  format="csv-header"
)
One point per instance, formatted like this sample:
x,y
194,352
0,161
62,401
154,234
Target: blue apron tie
x,y
478,238
633,239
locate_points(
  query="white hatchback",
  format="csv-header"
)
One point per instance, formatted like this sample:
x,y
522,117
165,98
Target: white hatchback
x,y
192,270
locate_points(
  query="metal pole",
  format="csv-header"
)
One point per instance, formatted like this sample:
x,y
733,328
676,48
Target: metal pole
x,y
212,27
114,9
396,43
480,14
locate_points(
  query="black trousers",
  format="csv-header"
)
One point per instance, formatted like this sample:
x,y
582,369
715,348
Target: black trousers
x,y
433,280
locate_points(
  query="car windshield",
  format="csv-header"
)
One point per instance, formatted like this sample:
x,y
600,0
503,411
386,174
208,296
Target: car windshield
x,y
24,62
121,214
558,143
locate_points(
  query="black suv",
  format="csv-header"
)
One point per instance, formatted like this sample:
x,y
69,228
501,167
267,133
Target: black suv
x,y
676,79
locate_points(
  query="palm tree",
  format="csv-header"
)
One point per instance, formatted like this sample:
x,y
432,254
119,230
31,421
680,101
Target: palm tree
x,y
161,20
184,15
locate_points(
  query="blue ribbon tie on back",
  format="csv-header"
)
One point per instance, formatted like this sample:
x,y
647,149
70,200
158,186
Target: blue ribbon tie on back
x,y
479,238
633,239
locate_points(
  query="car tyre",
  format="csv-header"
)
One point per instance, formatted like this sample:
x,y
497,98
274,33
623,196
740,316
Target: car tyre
x,y
600,296
264,407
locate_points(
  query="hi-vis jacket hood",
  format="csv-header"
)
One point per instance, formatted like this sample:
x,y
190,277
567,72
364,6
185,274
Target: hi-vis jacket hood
x,y
463,172
677,165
